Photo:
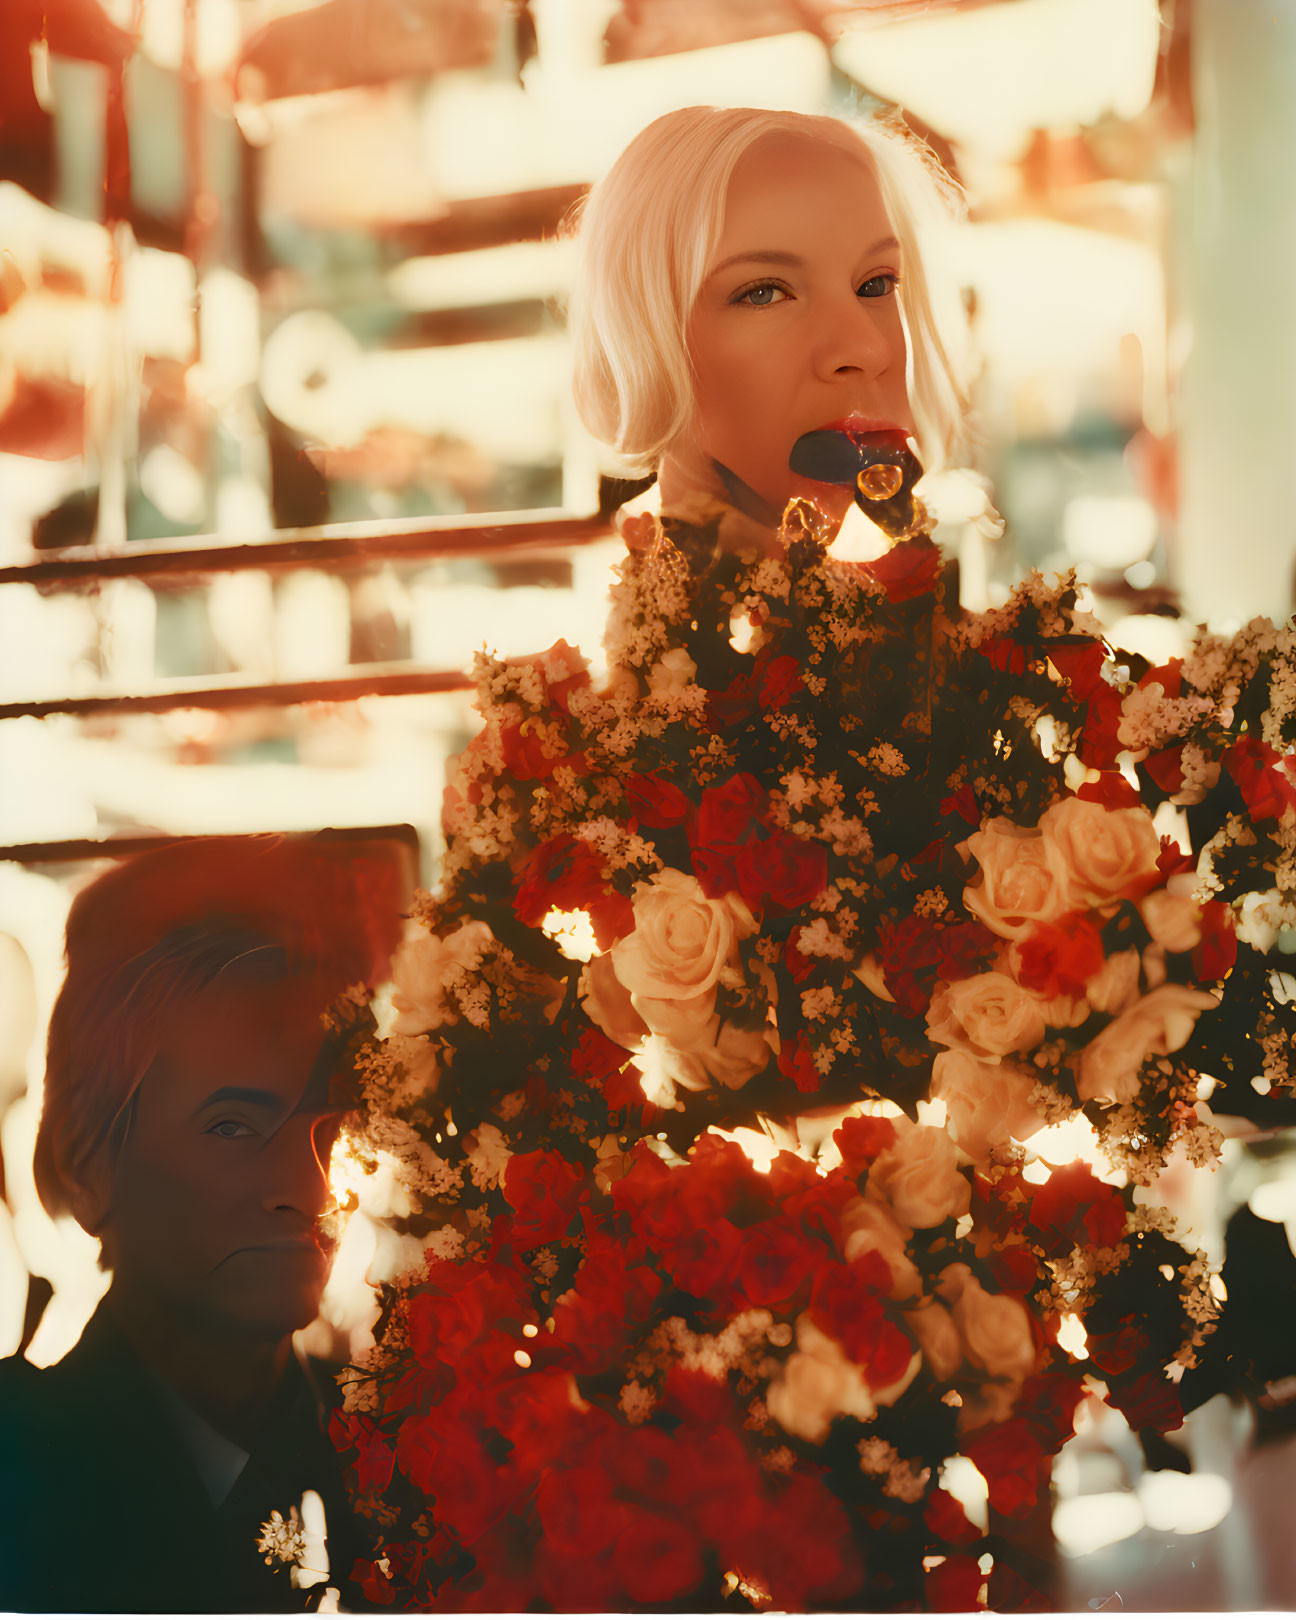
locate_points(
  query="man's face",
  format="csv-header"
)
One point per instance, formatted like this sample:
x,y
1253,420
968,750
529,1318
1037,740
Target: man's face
x,y
223,1174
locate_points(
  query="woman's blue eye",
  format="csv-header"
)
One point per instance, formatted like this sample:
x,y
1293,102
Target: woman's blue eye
x,y
882,285
760,297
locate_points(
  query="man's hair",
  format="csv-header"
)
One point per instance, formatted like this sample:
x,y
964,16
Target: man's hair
x,y
647,233
156,930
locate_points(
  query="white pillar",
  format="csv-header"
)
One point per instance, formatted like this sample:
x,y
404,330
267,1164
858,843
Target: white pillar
x,y
1237,542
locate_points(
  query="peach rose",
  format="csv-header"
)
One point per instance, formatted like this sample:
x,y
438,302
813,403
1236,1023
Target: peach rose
x,y
1157,1024
988,1014
918,1176
680,942
607,1003
819,1382
995,1328
1022,880
1173,920
869,1227
735,1055
938,1339
1107,854
424,965
1115,986
986,1103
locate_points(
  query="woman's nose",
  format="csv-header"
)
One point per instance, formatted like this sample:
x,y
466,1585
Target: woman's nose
x,y
853,338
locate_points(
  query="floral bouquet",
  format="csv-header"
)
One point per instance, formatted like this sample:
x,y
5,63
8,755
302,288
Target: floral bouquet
x,y
718,1056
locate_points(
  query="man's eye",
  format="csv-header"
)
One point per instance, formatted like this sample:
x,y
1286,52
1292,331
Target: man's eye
x,y
229,1130
877,286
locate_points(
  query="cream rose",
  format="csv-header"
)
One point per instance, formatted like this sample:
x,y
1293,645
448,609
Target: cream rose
x,y
736,1055
1157,1024
688,1023
938,1339
681,939
1115,986
985,1102
607,1003
995,1328
1108,854
671,674
1173,920
1023,881
989,1015
819,1382
422,968
869,1227
918,1176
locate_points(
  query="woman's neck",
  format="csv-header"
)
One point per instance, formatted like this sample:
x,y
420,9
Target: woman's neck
x,y
697,488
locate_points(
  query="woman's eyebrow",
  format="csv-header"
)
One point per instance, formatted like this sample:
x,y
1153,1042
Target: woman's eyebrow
x,y
794,260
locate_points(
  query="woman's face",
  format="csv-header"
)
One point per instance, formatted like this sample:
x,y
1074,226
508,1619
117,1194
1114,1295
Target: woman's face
x,y
797,325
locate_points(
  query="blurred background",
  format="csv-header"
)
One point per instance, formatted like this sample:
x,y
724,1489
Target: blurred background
x,y
285,437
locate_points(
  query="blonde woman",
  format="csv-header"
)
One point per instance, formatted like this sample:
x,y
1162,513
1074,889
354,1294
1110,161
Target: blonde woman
x,y
749,277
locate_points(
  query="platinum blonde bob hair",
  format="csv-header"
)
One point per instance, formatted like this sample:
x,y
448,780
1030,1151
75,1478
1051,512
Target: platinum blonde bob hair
x,y
647,234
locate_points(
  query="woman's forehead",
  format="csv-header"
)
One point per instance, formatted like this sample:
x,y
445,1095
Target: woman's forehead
x,y
789,182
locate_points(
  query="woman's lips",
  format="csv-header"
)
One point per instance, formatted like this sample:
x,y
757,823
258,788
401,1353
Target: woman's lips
x,y
868,430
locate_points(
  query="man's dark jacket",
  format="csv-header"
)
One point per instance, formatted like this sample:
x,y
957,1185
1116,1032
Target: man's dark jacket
x,y
103,1505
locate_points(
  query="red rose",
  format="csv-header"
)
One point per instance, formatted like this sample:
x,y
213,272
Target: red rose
x,y
782,873
1100,743
1150,1402
775,1263
1166,768
1079,664
525,756
954,1586
732,813
945,1518
908,570
1074,1208
1004,654
1014,1268
1012,1463
1112,791
657,1559
798,964
1168,676
780,682
796,1063
596,1315
1172,860
624,1090
860,1141
656,803
1216,951
1060,958
1116,1352
962,803
375,1456
458,1304
375,1585
577,1512
544,1190
1250,762
566,874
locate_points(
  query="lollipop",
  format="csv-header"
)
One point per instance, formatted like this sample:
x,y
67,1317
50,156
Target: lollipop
x,y
880,468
